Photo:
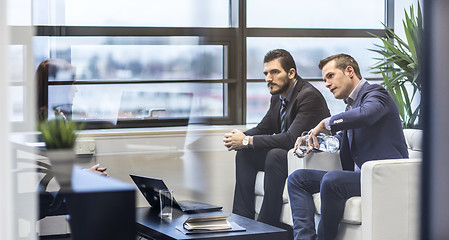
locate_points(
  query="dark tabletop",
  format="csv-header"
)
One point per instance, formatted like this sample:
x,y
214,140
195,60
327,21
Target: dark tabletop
x,y
150,225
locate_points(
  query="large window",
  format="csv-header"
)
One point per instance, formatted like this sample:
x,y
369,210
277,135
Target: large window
x,y
141,13
139,64
137,78
310,31
324,14
165,63
307,53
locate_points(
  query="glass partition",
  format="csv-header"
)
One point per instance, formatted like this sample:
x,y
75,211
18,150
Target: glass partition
x,y
117,102
135,78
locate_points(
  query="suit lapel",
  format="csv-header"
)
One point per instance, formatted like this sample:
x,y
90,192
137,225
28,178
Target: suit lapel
x,y
349,132
277,114
296,90
277,107
356,104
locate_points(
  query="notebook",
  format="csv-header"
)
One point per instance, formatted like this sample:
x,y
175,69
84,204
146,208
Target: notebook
x,y
150,187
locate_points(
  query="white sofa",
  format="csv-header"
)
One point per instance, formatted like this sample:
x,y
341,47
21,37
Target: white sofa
x,y
389,205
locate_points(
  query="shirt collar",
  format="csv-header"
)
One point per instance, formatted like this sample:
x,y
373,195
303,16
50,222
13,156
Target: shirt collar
x,y
353,96
290,92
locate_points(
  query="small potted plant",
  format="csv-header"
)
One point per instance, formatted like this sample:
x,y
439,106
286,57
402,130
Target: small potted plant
x,y
60,137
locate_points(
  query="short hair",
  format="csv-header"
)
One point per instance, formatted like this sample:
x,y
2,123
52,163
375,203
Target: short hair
x,y
48,69
286,59
342,61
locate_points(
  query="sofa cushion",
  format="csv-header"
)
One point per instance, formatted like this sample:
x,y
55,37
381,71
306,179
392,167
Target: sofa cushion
x,y
259,183
353,209
259,187
413,137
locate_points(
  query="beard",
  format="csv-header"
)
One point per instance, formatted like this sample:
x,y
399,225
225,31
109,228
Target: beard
x,y
281,88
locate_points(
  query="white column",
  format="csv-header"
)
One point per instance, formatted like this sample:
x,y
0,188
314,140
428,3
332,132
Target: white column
x,y
6,205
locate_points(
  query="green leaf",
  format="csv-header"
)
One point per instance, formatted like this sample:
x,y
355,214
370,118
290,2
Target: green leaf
x,y
398,62
58,133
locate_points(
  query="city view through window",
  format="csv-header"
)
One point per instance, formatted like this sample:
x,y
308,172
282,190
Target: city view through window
x,y
122,77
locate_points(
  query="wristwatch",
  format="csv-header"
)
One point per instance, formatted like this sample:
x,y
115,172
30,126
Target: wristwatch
x,y
245,141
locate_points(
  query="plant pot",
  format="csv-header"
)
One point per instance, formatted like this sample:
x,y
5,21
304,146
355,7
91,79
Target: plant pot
x,y
62,161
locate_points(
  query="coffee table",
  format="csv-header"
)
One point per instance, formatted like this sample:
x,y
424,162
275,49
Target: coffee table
x,y
149,225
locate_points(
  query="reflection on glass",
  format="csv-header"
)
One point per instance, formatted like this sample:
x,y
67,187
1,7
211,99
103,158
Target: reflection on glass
x,y
145,58
307,53
257,102
115,102
16,100
60,100
144,62
167,13
316,14
16,107
16,63
153,105
136,59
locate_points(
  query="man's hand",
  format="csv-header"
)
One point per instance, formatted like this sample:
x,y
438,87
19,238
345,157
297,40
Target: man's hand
x,y
97,169
233,140
313,140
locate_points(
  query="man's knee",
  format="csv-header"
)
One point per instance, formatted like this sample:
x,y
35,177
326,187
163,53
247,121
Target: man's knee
x,y
297,178
343,184
243,155
332,181
276,158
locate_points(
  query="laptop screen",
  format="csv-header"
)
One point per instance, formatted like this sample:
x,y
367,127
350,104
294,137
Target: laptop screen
x,y
150,187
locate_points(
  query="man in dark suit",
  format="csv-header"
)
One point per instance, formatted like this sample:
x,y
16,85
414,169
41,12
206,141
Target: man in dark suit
x,y
295,106
370,129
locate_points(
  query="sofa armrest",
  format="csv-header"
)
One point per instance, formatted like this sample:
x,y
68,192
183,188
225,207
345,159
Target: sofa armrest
x,y
314,160
390,199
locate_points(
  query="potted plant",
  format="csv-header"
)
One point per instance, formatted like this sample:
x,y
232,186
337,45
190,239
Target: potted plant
x,y
60,137
400,67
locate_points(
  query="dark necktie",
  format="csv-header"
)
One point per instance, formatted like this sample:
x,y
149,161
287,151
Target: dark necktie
x,y
283,113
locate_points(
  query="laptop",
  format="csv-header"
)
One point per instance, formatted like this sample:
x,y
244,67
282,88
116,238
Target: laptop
x,y
150,187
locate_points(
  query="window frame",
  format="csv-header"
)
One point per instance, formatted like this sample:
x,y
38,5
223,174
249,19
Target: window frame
x,y
234,40
208,36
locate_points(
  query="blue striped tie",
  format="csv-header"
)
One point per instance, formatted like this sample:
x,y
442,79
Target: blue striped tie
x,y
283,111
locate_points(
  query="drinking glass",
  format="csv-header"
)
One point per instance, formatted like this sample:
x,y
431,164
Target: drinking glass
x,y
166,203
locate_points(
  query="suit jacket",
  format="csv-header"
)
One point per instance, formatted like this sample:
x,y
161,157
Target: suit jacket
x,y
305,110
372,129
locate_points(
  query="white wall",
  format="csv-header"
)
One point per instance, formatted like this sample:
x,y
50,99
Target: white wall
x,y
193,162
5,163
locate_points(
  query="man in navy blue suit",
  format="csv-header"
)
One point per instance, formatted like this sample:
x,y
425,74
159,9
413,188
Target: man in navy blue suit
x,y
369,129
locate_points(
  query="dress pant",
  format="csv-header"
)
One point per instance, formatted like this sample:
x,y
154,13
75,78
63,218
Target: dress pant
x,y
274,163
335,188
